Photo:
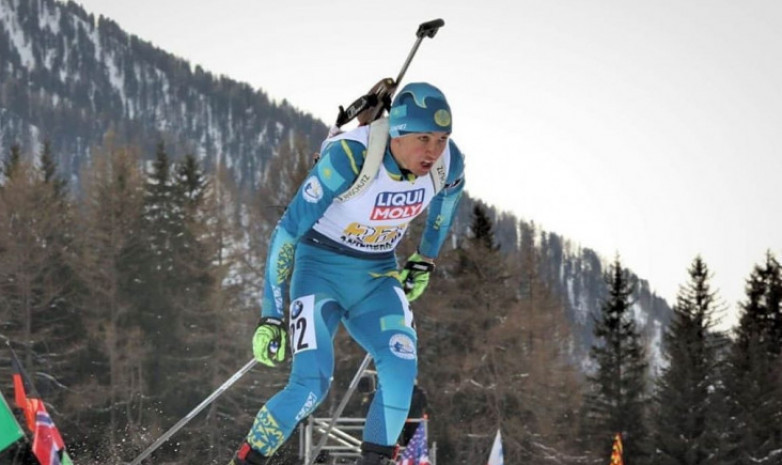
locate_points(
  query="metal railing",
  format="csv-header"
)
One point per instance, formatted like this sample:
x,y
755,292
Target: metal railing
x,y
343,443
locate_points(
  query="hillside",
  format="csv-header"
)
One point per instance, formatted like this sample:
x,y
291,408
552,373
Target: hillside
x,y
70,77
79,88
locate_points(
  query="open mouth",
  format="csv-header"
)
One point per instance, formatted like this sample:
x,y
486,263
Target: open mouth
x,y
426,165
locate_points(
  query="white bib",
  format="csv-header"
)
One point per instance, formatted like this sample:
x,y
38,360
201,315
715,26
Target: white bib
x,y
375,220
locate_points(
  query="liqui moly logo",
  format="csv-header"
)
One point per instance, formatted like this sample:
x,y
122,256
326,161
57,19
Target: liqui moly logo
x,y
397,205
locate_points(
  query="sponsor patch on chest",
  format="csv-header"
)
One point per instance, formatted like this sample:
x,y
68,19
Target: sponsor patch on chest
x,y
397,205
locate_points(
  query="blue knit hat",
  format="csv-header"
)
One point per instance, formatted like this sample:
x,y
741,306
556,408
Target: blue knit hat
x,y
419,107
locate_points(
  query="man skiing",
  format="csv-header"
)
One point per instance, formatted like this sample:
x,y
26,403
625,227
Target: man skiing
x,y
337,249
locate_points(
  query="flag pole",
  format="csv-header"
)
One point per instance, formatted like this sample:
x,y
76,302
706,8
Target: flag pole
x,y
38,421
24,437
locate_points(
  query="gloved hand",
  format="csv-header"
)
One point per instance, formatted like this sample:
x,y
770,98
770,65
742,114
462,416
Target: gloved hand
x,y
415,276
270,341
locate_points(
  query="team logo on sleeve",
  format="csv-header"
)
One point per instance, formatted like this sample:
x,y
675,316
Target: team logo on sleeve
x,y
312,191
402,346
396,205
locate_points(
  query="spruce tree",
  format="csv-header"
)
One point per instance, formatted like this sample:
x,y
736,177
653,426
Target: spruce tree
x,y
510,348
171,285
476,285
685,397
11,162
208,357
483,229
617,391
48,168
111,409
752,380
232,321
154,278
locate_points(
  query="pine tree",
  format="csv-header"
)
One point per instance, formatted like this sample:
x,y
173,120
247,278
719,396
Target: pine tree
x,y
685,398
11,162
36,281
501,354
111,404
48,168
752,381
58,275
455,318
481,262
615,401
550,394
483,229
209,357
153,281
170,285
234,317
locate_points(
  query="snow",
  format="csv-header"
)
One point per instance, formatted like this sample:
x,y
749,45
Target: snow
x,y
20,42
578,303
36,146
66,57
641,318
50,19
116,77
656,359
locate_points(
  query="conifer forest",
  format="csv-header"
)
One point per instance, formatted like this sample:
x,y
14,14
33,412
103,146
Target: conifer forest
x,y
132,298
137,197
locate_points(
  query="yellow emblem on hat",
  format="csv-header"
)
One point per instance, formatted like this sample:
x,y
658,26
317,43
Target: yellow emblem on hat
x,y
442,118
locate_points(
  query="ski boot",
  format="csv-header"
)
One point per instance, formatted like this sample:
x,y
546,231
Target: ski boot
x,y
374,454
248,456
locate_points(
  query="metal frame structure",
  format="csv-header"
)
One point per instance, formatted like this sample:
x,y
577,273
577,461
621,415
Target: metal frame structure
x,y
342,440
340,437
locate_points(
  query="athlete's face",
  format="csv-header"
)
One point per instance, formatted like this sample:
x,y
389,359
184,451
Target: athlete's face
x,y
418,151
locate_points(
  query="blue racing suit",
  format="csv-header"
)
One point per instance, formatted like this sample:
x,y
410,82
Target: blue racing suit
x,y
339,257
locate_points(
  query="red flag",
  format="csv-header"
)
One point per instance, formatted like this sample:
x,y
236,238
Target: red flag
x,y
616,451
47,442
417,450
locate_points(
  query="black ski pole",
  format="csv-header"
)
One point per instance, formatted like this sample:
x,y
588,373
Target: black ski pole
x,y
235,377
427,29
